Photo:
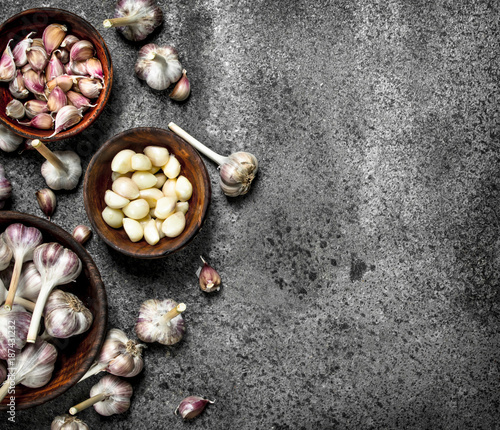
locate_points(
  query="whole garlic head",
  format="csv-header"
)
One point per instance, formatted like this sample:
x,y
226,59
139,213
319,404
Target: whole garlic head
x,y
68,422
118,393
237,173
14,326
159,66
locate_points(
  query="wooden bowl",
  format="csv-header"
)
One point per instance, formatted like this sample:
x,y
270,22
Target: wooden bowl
x,y
98,180
76,354
16,28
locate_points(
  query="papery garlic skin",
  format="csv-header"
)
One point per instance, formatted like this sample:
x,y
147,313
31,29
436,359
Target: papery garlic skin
x,y
66,315
9,141
182,88
7,65
192,406
5,254
118,394
47,201
68,422
15,109
82,233
19,51
135,19
14,326
152,326
29,283
237,173
158,66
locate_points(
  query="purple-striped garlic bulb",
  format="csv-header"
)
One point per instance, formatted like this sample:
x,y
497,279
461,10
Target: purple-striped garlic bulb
x,y
14,326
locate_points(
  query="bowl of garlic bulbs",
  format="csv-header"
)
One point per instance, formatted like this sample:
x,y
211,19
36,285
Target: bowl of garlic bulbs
x,y
55,74
147,192
53,311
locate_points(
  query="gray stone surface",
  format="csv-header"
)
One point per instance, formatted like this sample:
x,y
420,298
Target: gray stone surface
x,y
361,272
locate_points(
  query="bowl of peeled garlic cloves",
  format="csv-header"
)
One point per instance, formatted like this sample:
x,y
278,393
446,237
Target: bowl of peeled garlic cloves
x,y
56,74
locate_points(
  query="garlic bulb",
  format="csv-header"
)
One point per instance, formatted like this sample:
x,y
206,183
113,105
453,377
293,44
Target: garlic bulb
x,y
209,279
135,19
66,315
192,406
160,321
14,325
29,283
119,356
62,170
67,422
5,255
236,171
57,266
159,66
5,190
32,368
22,241
18,300
7,65
9,141
109,396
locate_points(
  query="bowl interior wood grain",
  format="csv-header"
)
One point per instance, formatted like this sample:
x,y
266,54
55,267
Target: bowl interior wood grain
x,y
18,27
98,180
76,354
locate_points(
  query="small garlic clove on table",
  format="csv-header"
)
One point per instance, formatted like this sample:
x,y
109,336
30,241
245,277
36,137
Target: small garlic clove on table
x,y
192,406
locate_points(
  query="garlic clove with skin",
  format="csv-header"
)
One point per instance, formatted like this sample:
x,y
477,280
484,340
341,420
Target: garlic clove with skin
x,y
135,19
19,51
7,65
17,88
67,117
192,406
81,51
209,279
68,422
53,35
160,321
35,107
82,233
15,109
182,89
47,201
159,66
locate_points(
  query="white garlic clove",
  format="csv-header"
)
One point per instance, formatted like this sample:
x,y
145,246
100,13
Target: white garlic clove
x,y
81,51
115,201
182,207
126,187
159,223
90,88
19,51
174,224
169,187
145,220
160,179
113,217
35,107
183,188
38,58
151,195
116,175
155,169
151,233
165,207
134,229
144,180
136,209
172,168
157,154
17,87
141,162
68,41
122,161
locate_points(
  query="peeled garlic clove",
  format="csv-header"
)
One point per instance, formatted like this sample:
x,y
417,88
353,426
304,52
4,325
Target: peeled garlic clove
x,y
209,279
42,121
55,68
82,233
165,207
34,82
145,220
19,51
15,109
47,201
158,66
174,224
157,154
159,223
160,179
114,200
67,117
192,406
183,188
57,99
151,195
140,162
182,207
151,233
116,175
81,51
169,187
17,87
94,68
53,35
182,89
125,187
136,209
172,168
9,141
134,229
122,161
37,57
113,217
7,65
78,100
144,179
90,88
34,107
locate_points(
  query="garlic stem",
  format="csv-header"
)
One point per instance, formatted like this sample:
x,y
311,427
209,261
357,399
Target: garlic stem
x,y
16,273
5,389
37,314
124,20
26,304
94,370
172,313
87,403
219,159
49,155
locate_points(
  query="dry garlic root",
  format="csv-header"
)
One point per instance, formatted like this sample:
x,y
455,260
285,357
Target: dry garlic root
x,y
149,196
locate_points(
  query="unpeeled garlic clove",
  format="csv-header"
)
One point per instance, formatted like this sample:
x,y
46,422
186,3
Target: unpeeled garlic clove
x,y
17,87
15,109
209,279
19,51
94,68
67,117
35,107
53,35
42,121
78,68
34,82
63,55
90,88
182,89
47,201
78,100
65,82
37,57
69,41
57,99
192,406
81,51
7,65
55,68
82,233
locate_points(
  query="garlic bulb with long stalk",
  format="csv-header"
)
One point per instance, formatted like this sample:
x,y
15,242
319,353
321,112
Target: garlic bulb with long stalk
x,y
18,300
135,19
237,171
22,241
29,284
160,321
68,422
109,396
119,356
65,315
57,266
5,254
62,170
159,66
9,141
5,188
32,368
14,325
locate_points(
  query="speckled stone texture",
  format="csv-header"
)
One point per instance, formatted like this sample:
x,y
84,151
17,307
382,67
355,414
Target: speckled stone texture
x,y
361,271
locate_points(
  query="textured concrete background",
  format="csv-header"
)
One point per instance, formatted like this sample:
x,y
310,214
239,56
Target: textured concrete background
x,y
361,272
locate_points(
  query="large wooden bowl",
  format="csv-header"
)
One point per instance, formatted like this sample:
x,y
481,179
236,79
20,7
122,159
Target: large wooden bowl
x,y
98,180
16,28
76,354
